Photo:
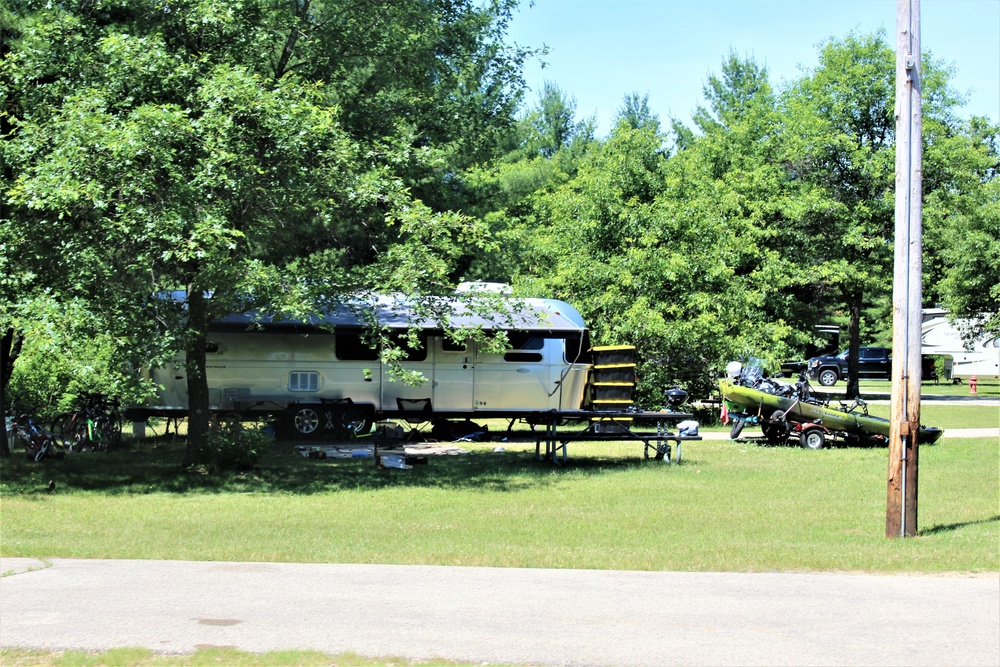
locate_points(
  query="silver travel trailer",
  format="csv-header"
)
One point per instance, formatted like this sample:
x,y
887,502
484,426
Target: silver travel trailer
x,y
939,337
322,374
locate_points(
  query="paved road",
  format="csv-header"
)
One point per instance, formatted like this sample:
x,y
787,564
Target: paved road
x,y
491,615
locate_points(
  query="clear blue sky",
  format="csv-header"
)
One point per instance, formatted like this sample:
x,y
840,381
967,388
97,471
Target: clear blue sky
x,y
602,49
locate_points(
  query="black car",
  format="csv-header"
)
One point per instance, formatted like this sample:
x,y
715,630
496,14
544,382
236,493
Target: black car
x,y
873,362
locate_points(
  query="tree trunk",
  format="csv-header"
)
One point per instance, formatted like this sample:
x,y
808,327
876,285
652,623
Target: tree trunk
x,y
10,346
854,300
197,380
4,444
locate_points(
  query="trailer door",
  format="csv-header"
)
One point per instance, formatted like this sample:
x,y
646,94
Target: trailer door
x,y
453,375
417,359
519,379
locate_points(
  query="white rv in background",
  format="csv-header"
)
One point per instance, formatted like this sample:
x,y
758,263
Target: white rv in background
x,y
938,337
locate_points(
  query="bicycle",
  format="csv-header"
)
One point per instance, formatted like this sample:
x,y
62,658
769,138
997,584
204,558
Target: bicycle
x,y
37,442
96,424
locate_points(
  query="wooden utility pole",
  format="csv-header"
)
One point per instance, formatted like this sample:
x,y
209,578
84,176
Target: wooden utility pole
x,y
901,505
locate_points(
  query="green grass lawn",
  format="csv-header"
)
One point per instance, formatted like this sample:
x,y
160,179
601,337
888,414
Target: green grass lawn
x,y
949,416
881,389
729,507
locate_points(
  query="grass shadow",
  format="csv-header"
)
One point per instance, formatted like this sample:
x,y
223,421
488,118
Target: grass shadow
x,y
946,527
153,466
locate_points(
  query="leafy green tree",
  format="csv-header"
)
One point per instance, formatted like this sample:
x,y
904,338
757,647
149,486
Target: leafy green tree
x,y
841,138
551,125
962,225
678,254
546,150
636,112
11,25
263,154
67,352
840,145
10,346
734,95
772,215
638,243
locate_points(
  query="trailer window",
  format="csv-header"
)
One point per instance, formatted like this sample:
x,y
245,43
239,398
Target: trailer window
x,y
523,357
350,347
303,381
519,344
524,341
417,354
576,348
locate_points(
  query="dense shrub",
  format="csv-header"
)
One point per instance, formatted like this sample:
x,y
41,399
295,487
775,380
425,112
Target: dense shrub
x,y
234,448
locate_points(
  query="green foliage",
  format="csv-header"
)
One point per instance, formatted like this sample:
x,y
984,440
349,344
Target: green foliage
x,y
234,448
635,112
841,144
775,215
208,147
664,252
282,156
963,225
67,350
734,97
551,126
841,147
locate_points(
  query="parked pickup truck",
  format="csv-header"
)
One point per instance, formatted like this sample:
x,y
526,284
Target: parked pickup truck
x,y
873,362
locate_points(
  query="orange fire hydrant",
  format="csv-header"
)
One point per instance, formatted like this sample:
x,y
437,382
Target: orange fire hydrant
x,y
972,384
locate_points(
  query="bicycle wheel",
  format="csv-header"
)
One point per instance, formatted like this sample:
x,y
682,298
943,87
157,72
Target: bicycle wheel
x,y
98,433
44,449
73,432
110,428
60,429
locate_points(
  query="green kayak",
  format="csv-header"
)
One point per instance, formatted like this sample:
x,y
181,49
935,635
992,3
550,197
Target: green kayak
x,y
746,402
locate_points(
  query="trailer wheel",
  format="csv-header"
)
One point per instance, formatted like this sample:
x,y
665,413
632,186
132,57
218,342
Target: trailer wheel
x,y
813,438
737,427
305,422
358,422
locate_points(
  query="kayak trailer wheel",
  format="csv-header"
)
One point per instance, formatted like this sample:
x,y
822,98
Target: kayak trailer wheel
x,y
813,438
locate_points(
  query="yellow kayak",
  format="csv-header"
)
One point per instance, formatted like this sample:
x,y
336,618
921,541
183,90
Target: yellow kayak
x,y
748,404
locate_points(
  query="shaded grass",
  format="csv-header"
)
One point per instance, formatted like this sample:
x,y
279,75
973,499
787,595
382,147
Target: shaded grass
x,y
729,507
